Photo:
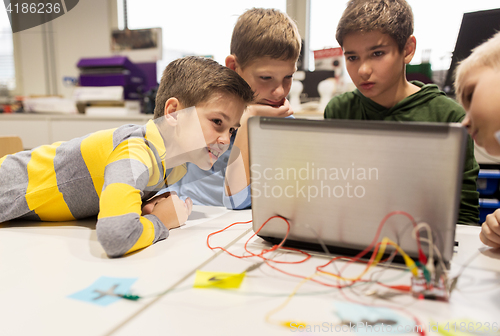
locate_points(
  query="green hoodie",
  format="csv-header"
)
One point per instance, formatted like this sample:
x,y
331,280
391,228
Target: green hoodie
x,y
428,104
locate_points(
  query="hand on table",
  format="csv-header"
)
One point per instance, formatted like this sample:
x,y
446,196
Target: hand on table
x,y
169,208
490,230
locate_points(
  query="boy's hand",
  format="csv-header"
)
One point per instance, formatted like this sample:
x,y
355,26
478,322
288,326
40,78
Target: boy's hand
x,y
270,111
170,209
148,206
490,230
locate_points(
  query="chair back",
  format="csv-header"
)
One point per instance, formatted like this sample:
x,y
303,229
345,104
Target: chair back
x,y
10,145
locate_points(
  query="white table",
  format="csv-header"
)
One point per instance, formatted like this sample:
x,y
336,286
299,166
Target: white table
x,y
40,265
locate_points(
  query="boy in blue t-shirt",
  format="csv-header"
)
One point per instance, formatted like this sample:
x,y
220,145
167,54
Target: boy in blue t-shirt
x,y
265,47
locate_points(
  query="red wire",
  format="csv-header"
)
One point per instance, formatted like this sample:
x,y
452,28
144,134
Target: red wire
x,y
220,247
352,259
308,256
261,255
264,251
415,318
422,256
397,287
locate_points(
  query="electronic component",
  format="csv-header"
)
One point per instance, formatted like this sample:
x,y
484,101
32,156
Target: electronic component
x,y
436,289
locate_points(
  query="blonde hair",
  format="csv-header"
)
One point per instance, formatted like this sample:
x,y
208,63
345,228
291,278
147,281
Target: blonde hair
x,y
391,17
485,55
261,32
193,80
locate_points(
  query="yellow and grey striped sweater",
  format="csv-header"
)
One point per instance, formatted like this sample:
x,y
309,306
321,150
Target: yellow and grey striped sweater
x,y
108,173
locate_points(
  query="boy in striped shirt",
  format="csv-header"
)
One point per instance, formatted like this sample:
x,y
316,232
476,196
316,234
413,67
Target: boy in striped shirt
x,y
114,173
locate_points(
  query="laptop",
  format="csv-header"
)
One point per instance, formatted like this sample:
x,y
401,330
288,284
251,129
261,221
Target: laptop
x,y
336,180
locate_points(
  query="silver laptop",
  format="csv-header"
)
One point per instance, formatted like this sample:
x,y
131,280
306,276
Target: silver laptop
x,y
336,180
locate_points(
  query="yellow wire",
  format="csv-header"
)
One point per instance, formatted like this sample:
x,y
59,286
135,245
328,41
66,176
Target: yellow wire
x,y
283,305
409,262
375,262
385,241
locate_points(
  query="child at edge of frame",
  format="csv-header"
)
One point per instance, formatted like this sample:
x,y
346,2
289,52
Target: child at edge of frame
x,y
477,87
265,47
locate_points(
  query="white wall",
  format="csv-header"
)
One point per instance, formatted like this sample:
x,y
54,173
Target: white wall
x,y
82,32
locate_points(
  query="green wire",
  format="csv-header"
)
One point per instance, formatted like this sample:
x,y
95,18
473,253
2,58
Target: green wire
x,y
132,297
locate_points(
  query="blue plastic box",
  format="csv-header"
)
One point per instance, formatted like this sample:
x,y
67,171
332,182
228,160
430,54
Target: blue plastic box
x,y
487,182
487,206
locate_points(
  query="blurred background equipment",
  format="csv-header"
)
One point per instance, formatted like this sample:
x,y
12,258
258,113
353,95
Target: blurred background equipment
x,y
111,86
476,28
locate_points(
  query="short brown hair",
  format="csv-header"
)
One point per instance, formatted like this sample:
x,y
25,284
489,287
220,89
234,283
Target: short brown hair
x,y
391,17
261,32
193,80
486,55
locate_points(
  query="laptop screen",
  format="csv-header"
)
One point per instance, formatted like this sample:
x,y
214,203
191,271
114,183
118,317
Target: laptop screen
x,y
335,180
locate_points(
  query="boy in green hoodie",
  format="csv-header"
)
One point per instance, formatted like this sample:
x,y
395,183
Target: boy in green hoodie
x,y
376,37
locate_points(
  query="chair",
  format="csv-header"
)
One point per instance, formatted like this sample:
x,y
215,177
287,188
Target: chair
x,y
10,145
